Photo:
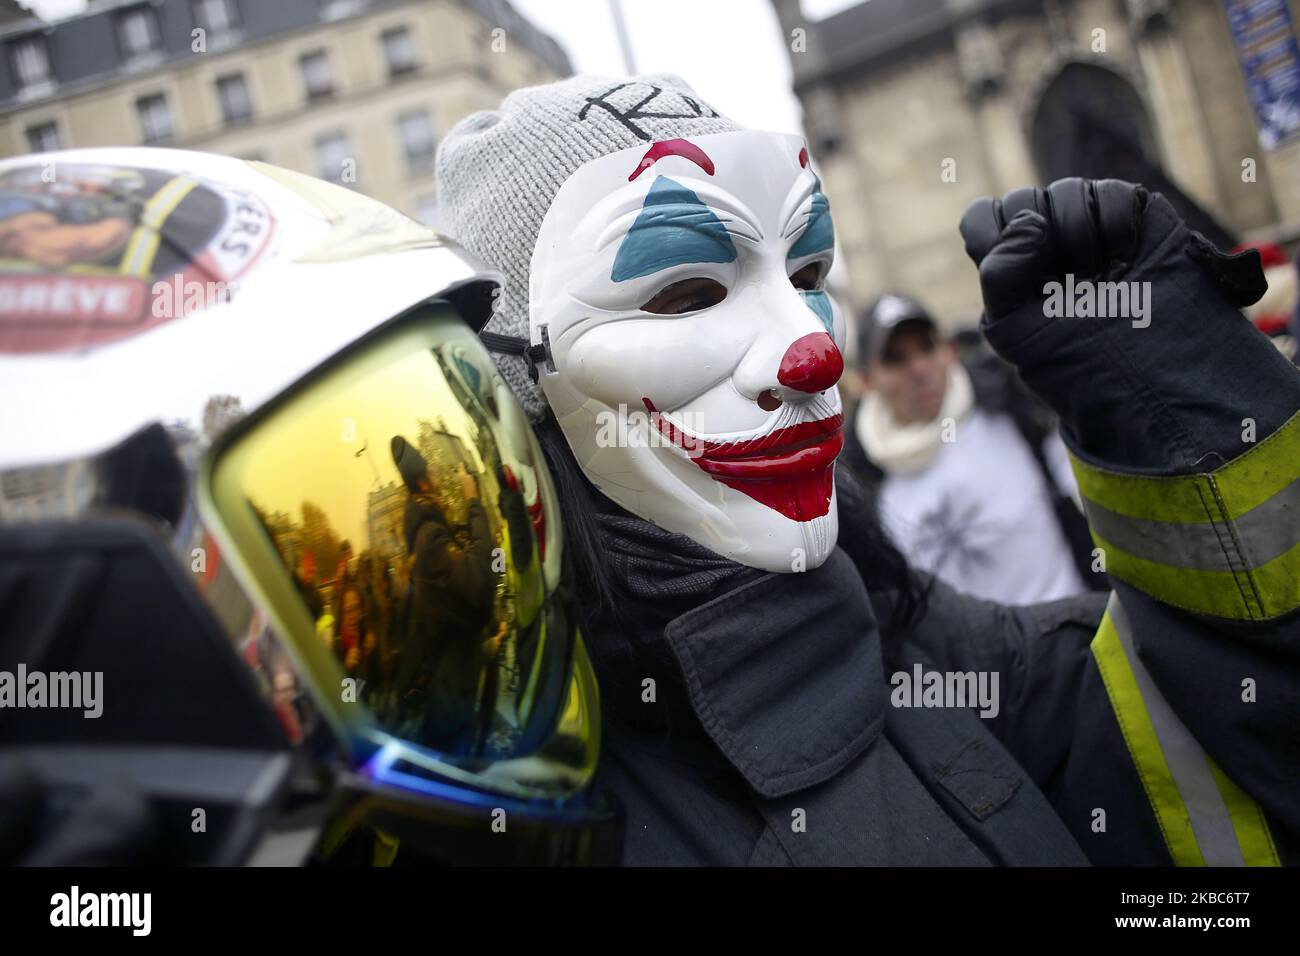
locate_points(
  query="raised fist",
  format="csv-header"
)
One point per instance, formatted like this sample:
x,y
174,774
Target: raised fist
x,y
1122,319
1088,230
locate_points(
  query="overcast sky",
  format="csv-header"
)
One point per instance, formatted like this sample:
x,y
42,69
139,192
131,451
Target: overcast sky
x,y
731,51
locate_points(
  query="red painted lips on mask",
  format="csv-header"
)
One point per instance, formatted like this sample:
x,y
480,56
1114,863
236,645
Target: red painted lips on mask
x,y
791,470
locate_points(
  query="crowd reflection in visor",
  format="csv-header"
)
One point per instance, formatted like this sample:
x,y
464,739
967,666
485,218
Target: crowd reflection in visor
x,y
413,522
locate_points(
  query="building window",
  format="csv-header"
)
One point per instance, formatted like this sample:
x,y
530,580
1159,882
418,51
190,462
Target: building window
x,y
316,74
216,16
232,93
155,117
426,211
335,160
399,50
31,61
43,137
137,31
416,132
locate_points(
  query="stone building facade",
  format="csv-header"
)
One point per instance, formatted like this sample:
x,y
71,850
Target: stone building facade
x,y
358,91
914,108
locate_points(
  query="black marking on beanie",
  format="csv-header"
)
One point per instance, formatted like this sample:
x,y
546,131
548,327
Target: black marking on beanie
x,y
637,110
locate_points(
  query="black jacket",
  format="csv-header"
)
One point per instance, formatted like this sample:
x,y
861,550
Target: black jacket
x,y
771,738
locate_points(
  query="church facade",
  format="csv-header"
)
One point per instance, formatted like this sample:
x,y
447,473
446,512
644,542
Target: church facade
x,y
913,108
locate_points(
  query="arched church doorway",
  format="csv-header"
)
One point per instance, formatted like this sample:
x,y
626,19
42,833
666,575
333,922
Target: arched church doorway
x,y
1091,122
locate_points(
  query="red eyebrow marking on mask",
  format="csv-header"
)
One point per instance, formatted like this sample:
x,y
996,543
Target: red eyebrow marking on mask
x,y
803,157
673,147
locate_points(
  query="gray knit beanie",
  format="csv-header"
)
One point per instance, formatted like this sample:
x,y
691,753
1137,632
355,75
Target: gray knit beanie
x,y
499,170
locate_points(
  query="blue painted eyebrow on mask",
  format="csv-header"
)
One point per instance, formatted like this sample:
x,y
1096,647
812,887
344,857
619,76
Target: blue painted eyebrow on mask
x,y
819,235
673,228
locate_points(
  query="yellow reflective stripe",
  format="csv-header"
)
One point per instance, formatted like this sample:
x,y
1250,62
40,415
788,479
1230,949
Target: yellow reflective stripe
x,y
1260,593
1211,529
1204,817
1251,479
1143,747
1238,486
1253,835
1176,499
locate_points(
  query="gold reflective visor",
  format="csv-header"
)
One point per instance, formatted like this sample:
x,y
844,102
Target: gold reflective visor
x,y
395,515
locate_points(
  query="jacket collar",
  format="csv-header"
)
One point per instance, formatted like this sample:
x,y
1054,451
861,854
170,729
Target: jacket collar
x,y
784,674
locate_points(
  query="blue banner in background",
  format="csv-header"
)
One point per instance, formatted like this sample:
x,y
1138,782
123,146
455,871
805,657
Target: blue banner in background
x,y
1270,59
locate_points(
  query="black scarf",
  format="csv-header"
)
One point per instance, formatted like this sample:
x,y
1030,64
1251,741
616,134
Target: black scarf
x,y
650,564
656,576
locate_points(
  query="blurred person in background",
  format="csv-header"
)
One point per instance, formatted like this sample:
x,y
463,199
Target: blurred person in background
x,y
350,642
969,474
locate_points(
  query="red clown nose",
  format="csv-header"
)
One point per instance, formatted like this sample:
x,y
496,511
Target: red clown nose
x,y
811,364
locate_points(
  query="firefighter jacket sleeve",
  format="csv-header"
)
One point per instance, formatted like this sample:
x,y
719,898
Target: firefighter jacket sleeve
x,y
1178,715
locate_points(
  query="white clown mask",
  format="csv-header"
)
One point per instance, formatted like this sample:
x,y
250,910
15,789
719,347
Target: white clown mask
x,y
692,352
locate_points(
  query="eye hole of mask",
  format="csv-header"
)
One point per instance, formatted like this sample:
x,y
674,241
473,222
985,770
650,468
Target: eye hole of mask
x,y
809,278
688,295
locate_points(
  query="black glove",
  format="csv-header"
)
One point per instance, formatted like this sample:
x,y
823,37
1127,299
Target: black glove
x,y
1161,387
